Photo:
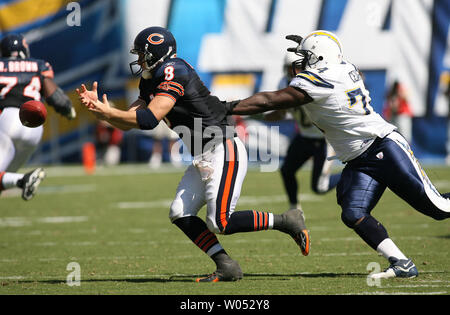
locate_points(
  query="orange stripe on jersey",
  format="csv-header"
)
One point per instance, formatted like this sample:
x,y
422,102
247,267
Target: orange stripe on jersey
x,y
255,220
177,85
226,192
48,74
175,90
167,95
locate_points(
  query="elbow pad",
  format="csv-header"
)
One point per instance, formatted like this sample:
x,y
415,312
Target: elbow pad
x,y
60,102
145,119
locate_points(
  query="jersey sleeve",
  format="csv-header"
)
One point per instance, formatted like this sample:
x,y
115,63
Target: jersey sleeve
x,y
172,78
143,94
314,85
46,70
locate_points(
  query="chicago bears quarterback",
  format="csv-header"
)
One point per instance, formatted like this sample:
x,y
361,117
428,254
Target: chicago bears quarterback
x,y
22,79
170,89
331,91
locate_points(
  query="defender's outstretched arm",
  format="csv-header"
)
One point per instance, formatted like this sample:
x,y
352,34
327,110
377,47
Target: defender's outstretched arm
x,y
265,101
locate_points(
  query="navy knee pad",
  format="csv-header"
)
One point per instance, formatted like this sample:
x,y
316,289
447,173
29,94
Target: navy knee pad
x,y
351,217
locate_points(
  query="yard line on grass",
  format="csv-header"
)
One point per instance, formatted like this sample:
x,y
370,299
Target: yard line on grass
x,y
53,190
27,221
62,219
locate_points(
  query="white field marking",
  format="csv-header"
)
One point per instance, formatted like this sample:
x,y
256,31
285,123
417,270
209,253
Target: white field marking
x,y
138,231
442,184
67,189
243,200
12,278
25,221
352,239
53,190
14,222
123,169
62,219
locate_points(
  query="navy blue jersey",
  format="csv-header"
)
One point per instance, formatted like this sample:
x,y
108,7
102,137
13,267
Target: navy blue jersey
x,y
194,105
21,80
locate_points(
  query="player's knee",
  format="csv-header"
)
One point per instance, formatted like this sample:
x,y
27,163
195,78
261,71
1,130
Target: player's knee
x,y
319,190
321,185
212,225
350,218
176,210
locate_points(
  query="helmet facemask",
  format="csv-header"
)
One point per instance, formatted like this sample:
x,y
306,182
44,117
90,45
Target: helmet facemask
x,y
307,59
146,61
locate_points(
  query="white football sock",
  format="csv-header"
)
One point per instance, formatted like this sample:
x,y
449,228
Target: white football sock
x,y
387,248
9,180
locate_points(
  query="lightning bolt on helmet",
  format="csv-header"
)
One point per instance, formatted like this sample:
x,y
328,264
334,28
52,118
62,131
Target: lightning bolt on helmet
x,y
14,46
153,45
317,50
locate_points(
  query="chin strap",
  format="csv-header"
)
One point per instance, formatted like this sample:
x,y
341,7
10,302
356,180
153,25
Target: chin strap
x,y
169,51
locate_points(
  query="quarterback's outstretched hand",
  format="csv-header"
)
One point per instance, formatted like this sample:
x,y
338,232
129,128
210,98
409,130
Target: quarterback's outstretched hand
x,y
90,100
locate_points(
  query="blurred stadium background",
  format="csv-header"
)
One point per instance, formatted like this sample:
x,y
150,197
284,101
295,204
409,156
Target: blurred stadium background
x,y
238,48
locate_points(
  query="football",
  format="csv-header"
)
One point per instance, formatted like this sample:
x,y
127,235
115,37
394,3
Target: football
x,y
32,114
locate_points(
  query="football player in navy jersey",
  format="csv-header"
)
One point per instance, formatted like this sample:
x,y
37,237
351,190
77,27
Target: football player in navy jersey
x,y
170,89
22,79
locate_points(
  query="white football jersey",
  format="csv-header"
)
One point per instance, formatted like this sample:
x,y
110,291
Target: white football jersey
x,y
341,109
306,128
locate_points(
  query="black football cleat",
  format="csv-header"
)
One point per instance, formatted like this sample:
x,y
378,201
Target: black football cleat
x,y
30,182
230,271
294,225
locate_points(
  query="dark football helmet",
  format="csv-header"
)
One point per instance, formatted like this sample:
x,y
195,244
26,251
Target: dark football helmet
x,y
14,46
153,45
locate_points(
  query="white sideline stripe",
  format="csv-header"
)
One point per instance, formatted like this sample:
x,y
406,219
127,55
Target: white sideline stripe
x,y
243,200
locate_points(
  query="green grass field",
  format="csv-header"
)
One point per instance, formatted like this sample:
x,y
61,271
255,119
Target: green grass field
x,y
115,226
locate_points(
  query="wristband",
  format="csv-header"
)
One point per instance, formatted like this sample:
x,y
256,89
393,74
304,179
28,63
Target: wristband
x,y
145,119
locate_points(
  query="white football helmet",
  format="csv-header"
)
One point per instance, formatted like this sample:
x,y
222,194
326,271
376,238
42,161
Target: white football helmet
x,y
319,49
290,69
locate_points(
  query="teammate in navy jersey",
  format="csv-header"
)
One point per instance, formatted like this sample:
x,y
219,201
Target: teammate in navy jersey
x,y
22,79
170,89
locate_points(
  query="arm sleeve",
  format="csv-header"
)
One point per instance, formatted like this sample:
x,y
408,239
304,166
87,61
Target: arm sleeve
x,y
47,71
